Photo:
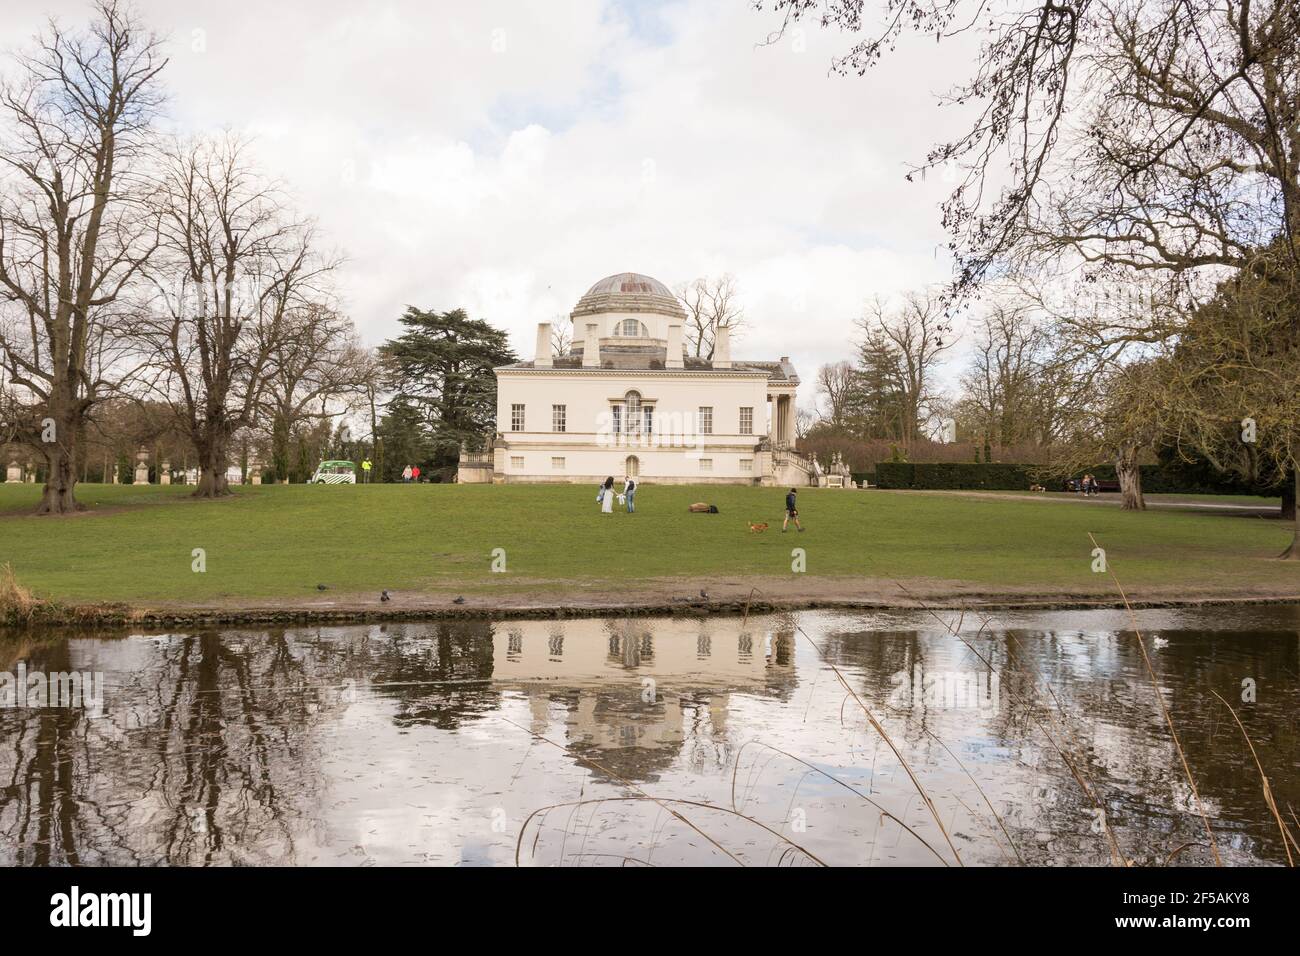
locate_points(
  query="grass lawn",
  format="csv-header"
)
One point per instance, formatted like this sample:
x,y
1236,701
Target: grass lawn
x,y
135,544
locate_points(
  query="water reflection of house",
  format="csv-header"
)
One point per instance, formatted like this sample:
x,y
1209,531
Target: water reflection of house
x,y
631,694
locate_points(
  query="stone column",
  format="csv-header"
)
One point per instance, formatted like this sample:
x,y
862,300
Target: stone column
x,y
141,467
254,470
165,473
13,474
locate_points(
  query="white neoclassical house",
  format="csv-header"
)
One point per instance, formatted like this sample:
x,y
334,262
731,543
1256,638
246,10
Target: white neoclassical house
x,y
626,399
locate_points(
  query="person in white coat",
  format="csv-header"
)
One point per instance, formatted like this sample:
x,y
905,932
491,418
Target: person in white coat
x,y
607,496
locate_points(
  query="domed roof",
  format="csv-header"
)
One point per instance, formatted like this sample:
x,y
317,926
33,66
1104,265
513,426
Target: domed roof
x,y
629,292
633,282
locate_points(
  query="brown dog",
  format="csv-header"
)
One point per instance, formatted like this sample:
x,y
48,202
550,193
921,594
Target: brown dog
x,y
1037,488
757,528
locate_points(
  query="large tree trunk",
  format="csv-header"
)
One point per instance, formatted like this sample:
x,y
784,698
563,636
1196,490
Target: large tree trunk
x,y
58,496
280,449
212,469
1293,553
1130,479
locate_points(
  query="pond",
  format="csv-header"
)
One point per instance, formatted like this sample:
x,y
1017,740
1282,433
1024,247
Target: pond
x,y
869,739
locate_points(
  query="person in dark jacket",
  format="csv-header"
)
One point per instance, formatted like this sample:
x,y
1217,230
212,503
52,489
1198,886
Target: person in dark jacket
x,y
791,512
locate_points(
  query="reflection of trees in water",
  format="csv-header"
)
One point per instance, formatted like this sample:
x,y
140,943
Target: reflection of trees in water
x,y
1102,711
201,757
44,806
439,674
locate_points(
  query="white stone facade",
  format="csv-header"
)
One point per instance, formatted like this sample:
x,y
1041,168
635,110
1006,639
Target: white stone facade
x,y
626,399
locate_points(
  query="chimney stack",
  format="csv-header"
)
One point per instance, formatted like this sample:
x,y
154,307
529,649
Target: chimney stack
x,y
543,358
674,357
722,347
591,347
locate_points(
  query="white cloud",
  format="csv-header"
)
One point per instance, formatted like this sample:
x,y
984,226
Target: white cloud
x,y
504,156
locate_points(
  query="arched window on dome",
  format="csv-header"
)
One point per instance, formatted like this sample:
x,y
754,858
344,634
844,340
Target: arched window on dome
x,y
632,328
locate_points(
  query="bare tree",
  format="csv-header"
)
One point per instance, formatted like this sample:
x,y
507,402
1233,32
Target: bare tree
x,y
710,304
234,270
903,346
74,226
1121,414
371,375
561,334
1007,386
1139,134
315,360
837,384
804,420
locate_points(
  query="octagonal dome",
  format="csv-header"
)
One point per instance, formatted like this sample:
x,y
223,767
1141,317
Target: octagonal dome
x,y
630,282
629,292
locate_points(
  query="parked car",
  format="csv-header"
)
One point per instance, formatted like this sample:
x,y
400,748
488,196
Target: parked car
x,y
334,473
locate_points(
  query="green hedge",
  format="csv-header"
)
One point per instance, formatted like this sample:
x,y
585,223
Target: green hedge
x,y
969,476
963,476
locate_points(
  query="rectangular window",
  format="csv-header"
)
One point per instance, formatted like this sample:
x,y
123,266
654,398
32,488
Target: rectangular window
x,y
747,420
516,418
517,462
558,417
557,464
747,464
706,464
706,419
648,417
618,418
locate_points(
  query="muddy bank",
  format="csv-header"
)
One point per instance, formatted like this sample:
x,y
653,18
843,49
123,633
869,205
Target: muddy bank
x,y
669,597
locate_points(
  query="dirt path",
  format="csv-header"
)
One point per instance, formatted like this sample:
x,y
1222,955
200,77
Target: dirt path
x,y
728,594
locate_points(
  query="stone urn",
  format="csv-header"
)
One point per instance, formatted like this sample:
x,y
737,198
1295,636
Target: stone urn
x,y
165,473
141,467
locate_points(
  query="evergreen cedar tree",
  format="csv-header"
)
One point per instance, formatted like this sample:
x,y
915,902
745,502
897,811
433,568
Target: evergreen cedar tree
x,y
441,371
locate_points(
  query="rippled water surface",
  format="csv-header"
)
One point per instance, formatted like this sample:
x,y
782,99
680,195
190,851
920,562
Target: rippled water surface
x,y
1037,737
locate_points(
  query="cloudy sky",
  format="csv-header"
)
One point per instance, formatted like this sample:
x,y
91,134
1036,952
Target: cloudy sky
x,y
503,156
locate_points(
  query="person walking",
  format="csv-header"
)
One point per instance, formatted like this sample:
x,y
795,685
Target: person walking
x,y
415,473
406,475
791,512
629,493
607,496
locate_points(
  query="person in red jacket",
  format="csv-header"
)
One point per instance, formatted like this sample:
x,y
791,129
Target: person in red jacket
x,y
415,472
